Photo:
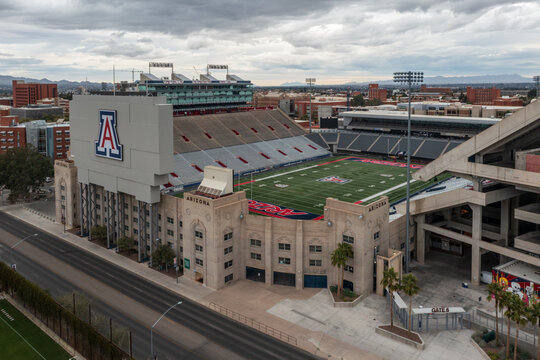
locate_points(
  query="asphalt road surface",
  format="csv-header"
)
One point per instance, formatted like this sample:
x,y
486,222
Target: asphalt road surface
x,y
189,331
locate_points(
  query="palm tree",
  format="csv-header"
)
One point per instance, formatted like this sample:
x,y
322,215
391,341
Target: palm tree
x,y
391,282
519,316
506,302
534,316
495,291
339,259
409,287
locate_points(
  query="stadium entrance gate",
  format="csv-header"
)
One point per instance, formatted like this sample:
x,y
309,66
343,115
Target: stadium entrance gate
x,y
315,281
255,274
284,279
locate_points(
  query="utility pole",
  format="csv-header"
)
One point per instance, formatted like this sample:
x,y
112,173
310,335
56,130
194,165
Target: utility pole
x,y
536,79
310,81
409,78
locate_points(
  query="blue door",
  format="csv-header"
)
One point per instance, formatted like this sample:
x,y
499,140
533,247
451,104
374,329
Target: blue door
x,y
315,281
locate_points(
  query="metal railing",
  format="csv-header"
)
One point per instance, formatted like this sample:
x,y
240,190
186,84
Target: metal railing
x,y
254,324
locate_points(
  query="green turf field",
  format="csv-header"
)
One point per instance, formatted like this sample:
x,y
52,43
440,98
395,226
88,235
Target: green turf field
x,y
297,187
20,339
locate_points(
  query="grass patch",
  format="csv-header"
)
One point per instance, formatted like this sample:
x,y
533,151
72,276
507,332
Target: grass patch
x,y
20,339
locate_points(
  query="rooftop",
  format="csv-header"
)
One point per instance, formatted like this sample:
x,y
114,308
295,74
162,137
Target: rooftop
x,y
402,116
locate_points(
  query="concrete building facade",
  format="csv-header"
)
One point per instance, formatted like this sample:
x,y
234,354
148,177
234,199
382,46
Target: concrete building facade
x,y
500,213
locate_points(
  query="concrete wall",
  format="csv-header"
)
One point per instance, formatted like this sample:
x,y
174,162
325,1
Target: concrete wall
x,y
144,126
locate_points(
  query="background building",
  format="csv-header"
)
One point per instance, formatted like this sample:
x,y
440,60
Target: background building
x,y
482,96
12,135
37,111
25,94
374,92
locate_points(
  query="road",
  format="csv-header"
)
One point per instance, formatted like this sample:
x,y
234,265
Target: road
x,y
190,331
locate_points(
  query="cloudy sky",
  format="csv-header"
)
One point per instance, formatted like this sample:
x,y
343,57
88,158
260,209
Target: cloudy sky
x,y
269,41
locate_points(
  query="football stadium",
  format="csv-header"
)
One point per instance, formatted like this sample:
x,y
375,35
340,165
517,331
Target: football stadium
x,y
251,195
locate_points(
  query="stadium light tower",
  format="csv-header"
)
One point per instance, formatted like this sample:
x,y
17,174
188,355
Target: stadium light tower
x,y
310,81
409,78
536,79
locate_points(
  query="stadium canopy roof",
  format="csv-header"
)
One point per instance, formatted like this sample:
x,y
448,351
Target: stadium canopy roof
x,y
402,116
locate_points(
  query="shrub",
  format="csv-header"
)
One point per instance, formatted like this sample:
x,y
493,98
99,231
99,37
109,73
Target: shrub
x,y
349,293
333,288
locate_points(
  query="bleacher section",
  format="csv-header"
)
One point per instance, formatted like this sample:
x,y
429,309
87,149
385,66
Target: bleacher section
x,y
245,142
384,144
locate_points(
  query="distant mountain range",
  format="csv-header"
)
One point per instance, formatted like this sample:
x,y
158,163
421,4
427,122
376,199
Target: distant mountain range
x,y
63,85
444,80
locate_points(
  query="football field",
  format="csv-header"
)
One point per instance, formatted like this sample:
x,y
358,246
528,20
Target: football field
x,y
20,339
305,187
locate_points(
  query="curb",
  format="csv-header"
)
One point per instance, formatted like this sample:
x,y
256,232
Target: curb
x,y
38,213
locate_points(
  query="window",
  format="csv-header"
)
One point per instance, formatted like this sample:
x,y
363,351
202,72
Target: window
x,y
348,268
159,228
402,246
228,250
181,249
126,228
147,212
198,234
98,206
126,205
63,197
283,246
227,236
159,216
180,224
62,187
135,231
171,245
348,239
228,264
198,261
315,248
126,217
256,256
284,260
313,262
170,232
228,277
170,220
198,248
376,235
255,242
136,220
97,196
135,208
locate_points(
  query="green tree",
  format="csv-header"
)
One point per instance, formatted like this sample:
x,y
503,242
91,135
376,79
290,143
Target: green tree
x,y
23,170
99,233
507,303
534,319
531,94
409,287
358,100
391,282
463,98
125,243
519,316
373,102
339,259
496,292
163,255
304,117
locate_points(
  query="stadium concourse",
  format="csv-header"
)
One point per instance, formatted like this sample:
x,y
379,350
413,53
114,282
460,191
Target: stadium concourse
x,y
130,159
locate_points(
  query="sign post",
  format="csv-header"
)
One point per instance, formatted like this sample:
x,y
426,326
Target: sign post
x,y
176,267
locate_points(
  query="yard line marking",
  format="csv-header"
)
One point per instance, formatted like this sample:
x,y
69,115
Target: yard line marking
x,y
16,332
386,191
280,174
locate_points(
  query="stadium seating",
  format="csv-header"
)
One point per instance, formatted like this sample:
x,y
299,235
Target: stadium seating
x,y
384,144
244,141
330,137
431,148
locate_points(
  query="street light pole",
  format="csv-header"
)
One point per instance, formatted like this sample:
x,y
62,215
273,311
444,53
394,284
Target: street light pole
x,y
310,81
14,245
408,78
152,329
536,79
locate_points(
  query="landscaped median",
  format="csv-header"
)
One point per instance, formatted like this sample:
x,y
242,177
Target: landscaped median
x,y
401,335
